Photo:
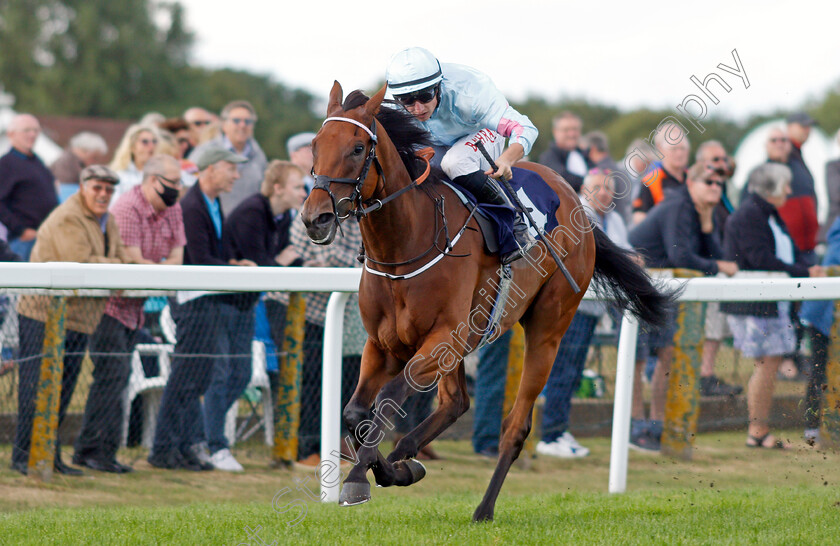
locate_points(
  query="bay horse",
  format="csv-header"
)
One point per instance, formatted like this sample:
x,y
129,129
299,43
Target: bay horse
x,y
422,284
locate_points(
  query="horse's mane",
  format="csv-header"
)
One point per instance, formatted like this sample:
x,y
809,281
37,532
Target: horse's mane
x,y
403,129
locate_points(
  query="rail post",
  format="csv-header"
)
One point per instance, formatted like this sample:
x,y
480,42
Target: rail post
x,y
48,396
287,411
682,403
830,434
328,471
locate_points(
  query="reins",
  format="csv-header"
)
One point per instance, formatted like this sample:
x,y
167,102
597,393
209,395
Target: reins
x,y
360,210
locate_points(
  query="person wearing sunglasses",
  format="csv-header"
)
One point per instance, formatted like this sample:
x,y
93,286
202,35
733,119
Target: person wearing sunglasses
x,y
239,118
152,229
139,143
460,106
679,232
79,230
712,154
199,121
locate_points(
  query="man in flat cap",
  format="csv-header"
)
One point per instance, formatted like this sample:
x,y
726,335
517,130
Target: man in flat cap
x,y
152,230
78,230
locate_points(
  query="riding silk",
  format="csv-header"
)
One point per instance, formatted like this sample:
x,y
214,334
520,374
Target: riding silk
x,y
534,194
469,102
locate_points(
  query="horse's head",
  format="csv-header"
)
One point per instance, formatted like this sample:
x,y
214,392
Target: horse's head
x,y
343,153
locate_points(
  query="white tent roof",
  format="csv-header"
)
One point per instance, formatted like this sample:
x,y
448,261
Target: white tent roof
x,y
45,148
817,151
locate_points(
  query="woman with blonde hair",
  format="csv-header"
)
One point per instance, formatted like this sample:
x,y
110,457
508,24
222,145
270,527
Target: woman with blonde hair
x,y
139,143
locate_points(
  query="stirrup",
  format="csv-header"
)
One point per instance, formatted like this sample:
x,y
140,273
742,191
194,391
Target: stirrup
x,y
520,252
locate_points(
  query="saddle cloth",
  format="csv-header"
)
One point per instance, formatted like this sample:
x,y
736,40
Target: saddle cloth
x,y
496,221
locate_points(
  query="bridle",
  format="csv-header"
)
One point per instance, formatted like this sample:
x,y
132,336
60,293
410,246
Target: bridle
x,y
361,208
322,182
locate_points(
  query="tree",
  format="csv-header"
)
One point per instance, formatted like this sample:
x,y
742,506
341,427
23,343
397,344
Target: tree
x,y
281,111
827,110
93,57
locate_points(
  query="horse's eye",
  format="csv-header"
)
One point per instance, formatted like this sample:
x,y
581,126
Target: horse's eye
x,y
358,149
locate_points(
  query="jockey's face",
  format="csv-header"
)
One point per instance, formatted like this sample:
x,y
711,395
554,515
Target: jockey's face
x,y
421,104
423,111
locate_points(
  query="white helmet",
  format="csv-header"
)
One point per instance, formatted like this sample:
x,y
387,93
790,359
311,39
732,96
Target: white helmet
x,y
411,70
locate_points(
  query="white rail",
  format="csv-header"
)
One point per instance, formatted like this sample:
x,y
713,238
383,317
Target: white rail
x,y
68,276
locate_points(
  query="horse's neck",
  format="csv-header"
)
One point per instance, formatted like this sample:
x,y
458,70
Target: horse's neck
x,y
402,228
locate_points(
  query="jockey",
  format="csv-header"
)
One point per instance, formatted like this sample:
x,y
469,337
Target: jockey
x,y
460,106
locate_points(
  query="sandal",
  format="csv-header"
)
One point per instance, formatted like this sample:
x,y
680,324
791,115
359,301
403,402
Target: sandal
x,y
759,442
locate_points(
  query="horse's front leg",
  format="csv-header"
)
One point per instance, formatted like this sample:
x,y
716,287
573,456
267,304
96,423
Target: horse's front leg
x,y
453,402
376,370
421,372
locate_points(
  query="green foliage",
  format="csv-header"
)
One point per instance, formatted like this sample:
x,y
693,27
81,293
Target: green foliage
x,y
92,57
123,59
827,111
541,112
282,111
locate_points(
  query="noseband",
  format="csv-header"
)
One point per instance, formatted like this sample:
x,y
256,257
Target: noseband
x,y
359,210
322,182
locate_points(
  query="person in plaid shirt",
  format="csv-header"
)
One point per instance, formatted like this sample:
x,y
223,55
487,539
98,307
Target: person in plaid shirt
x,y
152,229
341,253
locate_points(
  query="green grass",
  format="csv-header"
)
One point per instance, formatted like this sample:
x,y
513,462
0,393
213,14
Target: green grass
x,y
727,494
702,516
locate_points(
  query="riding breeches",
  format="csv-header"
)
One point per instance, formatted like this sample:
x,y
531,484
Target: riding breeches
x,y
464,157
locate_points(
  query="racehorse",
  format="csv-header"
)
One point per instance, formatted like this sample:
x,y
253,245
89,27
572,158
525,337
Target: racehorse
x,y
426,274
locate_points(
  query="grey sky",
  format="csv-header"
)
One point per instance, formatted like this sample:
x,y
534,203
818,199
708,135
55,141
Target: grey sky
x,y
629,54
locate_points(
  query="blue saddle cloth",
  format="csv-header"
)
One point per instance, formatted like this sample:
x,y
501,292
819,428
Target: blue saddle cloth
x,y
534,194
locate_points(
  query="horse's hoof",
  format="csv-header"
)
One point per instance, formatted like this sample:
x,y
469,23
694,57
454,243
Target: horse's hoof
x,y
353,493
480,516
416,468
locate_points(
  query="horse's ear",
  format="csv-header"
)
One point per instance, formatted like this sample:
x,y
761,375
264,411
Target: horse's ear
x,y
336,96
372,106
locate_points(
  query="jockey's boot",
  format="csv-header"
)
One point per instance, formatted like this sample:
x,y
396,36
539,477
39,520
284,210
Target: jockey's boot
x,y
488,190
523,239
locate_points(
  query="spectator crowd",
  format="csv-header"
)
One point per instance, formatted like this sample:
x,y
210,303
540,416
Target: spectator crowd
x,y
199,190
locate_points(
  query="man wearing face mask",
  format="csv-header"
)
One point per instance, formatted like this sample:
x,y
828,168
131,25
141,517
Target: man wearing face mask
x,y
152,228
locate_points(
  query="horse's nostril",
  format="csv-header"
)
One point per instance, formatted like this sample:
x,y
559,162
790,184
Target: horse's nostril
x,y
324,219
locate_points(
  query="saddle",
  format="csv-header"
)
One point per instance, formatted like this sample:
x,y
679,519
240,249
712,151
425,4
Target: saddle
x,y
495,221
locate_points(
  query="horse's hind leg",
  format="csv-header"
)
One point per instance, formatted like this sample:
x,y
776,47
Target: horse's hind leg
x,y
542,339
453,402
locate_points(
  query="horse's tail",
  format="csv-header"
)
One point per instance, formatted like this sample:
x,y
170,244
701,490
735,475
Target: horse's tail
x,y
620,279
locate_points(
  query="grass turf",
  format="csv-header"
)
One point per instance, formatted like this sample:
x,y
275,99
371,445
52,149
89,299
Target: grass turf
x,y
706,516
726,494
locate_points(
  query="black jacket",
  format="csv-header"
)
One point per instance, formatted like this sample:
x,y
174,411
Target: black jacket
x,y
27,192
251,232
556,159
670,236
749,242
203,247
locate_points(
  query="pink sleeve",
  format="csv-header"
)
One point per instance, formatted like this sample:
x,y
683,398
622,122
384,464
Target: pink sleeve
x,y
508,127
